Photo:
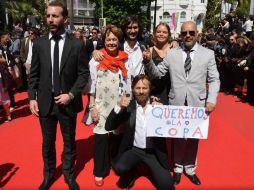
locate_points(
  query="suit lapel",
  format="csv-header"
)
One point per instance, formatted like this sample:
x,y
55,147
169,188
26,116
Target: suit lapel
x,y
132,110
27,46
195,62
48,53
66,51
181,64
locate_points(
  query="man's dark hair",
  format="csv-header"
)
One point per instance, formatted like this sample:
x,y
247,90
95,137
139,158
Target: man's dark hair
x,y
58,3
3,32
35,31
97,30
138,78
131,19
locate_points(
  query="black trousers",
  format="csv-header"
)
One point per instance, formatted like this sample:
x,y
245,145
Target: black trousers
x,y
68,130
12,99
130,159
105,150
250,86
185,151
101,155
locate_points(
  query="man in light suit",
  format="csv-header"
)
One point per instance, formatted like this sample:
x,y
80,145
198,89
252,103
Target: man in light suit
x,y
191,67
59,72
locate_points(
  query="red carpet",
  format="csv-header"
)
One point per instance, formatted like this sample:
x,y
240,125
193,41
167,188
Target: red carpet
x,y
225,160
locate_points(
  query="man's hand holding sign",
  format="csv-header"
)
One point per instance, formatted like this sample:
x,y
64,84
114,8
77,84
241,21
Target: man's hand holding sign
x,y
178,122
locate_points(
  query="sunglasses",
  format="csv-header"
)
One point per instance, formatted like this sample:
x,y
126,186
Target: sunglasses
x,y
94,32
191,33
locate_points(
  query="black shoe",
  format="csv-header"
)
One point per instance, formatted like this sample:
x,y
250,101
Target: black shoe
x,y
72,184
194,179
131,184
46,184
177,178
125,182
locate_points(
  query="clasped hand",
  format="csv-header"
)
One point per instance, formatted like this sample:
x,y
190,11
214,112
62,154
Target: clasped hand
x,y
62,99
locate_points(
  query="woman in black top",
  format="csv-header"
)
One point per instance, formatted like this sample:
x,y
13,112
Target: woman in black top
x,y
161,87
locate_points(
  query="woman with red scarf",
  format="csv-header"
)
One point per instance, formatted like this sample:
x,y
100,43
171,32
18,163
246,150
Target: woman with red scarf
x,y
109,81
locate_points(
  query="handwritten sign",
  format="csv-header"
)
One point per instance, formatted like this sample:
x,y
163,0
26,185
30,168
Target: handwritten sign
x,y
177,122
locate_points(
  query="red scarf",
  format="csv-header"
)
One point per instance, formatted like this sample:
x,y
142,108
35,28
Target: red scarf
x,y
113,63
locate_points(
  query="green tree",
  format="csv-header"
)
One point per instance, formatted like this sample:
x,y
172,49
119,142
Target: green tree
x,y
213,13
214,9
243,8
115,11
19,10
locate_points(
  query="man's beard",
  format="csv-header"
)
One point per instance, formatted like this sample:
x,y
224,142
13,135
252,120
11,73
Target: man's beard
x,y
189,45
141,99
132,38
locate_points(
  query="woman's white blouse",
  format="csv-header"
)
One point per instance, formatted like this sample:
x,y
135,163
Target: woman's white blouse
x,y
126,88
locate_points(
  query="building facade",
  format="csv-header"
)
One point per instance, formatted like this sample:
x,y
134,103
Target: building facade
x,y
175,12
81,11
252,7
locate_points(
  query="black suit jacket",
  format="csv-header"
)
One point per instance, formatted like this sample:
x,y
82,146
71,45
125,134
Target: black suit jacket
x,y
24,49
90,47
127,117
74,74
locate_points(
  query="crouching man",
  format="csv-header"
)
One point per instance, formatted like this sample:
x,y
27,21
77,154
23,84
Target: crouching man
x,y
135,147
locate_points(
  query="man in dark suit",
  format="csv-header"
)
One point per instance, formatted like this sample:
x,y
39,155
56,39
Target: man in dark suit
x,y
59,72
26,54
95,43
135,147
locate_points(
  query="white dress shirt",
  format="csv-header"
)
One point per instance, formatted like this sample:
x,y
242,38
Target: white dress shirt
x,y
135,59
30,50
140,128
52,45
95,44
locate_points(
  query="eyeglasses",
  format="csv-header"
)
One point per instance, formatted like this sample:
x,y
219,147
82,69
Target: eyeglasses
x,y
31,33
191,33
94,32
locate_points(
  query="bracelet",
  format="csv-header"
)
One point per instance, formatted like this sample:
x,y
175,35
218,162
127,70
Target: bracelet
x,y
91,109
91,106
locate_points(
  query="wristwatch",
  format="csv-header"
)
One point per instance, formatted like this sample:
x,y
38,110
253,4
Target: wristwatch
x,y
71,96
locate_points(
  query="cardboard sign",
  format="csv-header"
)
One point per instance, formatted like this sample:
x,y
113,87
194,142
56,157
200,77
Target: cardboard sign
x,y
177,122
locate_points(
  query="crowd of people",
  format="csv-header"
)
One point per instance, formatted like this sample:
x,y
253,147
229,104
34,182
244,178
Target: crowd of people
x,y
123,74
233,44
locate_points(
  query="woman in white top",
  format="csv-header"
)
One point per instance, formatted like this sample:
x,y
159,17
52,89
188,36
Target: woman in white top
x,y
109,81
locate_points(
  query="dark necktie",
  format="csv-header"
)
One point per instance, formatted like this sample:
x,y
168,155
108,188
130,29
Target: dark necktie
x,y
187,64
56,76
